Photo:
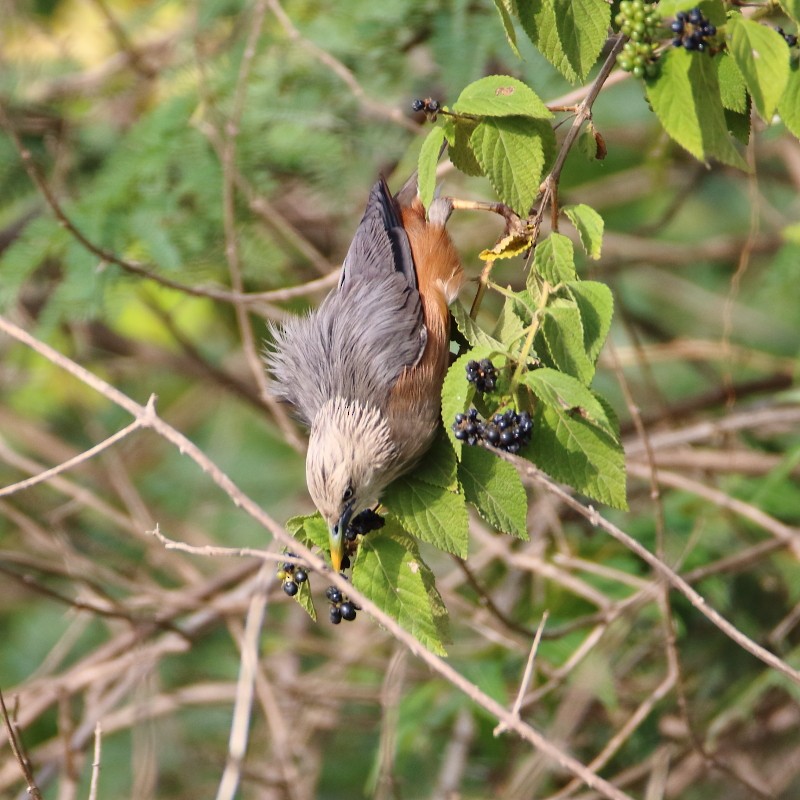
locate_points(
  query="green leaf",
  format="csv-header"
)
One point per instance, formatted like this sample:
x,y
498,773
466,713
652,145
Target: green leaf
x,y
494,487
501,96
460,149
473,333
538,20
792,9
589,225
457,393
789,106
582,27
739,124
596,306
431,513
438,467
390,571
571,449
509,328
732,88
305,600
554,259
712,10
762,55
310,529
567,395
563,331
686,99
513,153
508,25
426,167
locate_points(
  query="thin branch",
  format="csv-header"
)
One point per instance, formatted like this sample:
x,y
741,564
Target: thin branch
x,y
242,708
98,732
614,744
69,464
146,271
148,416
215,551
775,416
391,692
582,113
19,753
676,581
527,675
786,534
367,103
228,158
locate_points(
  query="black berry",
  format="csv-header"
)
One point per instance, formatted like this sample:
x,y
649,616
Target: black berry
x,y
509,431
347,610
417,105
362,524
692,30
336,615
333,594
483,374
789,38
300,575
291,588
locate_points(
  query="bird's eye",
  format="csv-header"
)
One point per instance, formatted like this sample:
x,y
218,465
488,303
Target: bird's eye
x,y
348,494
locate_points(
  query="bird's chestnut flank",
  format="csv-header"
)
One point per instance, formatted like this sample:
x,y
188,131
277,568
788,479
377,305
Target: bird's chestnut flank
x,y
364,370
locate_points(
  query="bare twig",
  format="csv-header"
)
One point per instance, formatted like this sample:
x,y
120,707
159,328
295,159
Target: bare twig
x,y
367,103
150,419
146,271
786,534
228,157
248,663
71,463
19,753
675,580
95,783
527,675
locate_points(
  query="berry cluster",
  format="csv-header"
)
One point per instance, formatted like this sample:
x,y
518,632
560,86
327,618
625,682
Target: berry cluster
x,y
292,576
483,374
692,30
430,106
509,431
361,524
789,38
639,22
341,607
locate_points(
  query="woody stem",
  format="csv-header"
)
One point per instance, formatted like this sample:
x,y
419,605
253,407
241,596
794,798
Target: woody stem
x,y
526,348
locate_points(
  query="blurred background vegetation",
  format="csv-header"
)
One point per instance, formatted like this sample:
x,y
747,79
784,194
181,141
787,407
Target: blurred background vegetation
x,y
130,110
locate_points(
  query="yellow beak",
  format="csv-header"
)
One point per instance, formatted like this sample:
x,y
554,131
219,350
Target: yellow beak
x,y
336,538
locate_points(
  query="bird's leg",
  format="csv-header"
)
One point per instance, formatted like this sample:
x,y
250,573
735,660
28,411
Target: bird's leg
x,y
482,281
478,205
515,225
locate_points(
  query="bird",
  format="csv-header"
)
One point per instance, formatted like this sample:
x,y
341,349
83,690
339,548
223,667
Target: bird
x,y
364,370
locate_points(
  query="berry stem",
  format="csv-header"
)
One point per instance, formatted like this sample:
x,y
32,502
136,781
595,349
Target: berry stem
x,y
534,327
482,282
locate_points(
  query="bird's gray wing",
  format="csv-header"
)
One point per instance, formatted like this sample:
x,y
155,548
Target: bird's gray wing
x,y
355,345
367,330
380,243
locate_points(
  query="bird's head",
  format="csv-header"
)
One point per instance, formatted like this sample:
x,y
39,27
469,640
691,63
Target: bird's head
x,y
349,463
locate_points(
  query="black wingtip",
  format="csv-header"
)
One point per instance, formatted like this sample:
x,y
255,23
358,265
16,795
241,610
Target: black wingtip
x,y
382,202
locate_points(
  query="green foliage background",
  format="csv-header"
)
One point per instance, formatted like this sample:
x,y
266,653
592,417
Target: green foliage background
x,y
123,106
